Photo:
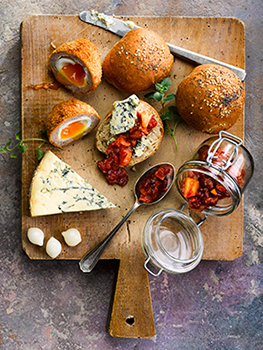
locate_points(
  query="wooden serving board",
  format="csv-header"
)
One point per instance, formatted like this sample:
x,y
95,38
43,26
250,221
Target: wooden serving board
x,y
221,38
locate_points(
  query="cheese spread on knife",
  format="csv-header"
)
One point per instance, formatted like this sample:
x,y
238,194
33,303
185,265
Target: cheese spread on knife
x,y
56,188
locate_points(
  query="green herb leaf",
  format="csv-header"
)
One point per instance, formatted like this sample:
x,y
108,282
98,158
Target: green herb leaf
x,y
160,87
167,115
18,136
169,97
39,153
22,148
7,144
158,96
166,82
150,96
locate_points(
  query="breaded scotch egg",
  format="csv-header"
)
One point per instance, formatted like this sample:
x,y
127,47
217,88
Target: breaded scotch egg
x,y
69,121
77,66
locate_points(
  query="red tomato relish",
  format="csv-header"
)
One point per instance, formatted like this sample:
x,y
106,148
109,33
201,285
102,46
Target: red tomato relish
x,y
201,190
120,151
153,185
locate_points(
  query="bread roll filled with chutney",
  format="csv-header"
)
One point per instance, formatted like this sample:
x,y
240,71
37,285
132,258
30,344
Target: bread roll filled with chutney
x,y
77,66
130,133
69,121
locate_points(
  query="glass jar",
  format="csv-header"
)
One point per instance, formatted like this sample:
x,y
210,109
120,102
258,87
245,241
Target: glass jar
x,y
213,180
172,242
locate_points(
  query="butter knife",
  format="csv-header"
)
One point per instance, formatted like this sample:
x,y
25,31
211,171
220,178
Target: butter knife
x,y
120,28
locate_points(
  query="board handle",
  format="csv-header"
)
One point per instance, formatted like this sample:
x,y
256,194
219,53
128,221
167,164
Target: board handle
x,y
132,315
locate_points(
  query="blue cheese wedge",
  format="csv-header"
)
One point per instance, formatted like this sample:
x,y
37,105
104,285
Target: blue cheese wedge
x,y
56,188
124,115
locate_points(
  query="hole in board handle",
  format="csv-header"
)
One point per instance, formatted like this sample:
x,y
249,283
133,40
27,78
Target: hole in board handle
x,y
130,320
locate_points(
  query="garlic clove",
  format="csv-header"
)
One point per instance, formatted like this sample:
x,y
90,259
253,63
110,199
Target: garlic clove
x,y
72,237
53,247
35,236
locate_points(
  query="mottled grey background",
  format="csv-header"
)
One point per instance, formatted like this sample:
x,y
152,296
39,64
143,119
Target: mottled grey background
x,y
51,304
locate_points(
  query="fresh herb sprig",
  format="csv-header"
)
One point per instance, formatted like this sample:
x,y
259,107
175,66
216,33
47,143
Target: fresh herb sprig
x,y
20,145
167,114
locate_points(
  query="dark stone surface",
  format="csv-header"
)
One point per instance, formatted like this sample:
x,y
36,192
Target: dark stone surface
x,y
51,304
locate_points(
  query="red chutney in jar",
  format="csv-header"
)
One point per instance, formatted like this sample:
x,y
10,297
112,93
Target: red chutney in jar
x,y
153,185
203,191
120,151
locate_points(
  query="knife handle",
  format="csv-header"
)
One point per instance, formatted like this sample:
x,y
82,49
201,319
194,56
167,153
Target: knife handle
x,y
201,59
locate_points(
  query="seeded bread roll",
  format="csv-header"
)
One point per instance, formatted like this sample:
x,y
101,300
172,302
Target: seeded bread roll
x,y
69,121
77,66
103,134
211,98
138,61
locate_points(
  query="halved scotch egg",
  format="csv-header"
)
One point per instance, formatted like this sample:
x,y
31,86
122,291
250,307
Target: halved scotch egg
x,y
77,66
69,121
71,72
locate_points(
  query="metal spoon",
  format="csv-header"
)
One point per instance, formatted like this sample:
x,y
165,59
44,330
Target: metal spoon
x,y
90,259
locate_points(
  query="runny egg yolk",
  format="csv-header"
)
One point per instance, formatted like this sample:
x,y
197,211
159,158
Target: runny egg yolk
x,y
74,73
73,130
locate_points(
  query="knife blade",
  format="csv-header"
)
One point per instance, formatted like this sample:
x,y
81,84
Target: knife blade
x,y
120,28
109,23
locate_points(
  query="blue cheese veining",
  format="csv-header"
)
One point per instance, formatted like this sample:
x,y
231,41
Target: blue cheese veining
x,y
142,146
124,115
56,188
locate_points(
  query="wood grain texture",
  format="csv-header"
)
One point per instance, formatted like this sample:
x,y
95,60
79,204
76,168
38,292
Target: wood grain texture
x,y
220,38
132,314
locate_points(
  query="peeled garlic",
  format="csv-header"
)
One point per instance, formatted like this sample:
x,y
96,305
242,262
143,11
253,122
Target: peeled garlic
x,y
72,237
53,247
35,236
